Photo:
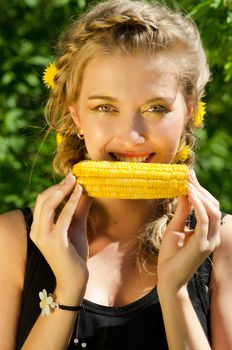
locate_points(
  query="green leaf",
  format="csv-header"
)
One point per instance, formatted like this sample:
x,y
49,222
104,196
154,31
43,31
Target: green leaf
x,y
216,3
81,4
8,77
32,3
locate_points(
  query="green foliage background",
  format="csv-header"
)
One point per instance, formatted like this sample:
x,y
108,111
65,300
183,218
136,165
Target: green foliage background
x,y
29,31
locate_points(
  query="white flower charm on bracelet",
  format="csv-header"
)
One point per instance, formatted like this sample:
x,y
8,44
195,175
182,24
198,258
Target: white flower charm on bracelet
x,y
46,303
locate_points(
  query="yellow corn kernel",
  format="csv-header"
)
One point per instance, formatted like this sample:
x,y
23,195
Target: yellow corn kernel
x,y
131,180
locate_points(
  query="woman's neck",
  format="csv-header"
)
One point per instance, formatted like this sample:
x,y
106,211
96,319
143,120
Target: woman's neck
x,y
120,220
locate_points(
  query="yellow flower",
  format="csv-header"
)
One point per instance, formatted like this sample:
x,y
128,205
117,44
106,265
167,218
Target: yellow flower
x,y
49,75
199,116
182,154
59,138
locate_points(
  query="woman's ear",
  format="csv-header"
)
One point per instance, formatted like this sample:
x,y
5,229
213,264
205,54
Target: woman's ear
x,y
74,114
190,110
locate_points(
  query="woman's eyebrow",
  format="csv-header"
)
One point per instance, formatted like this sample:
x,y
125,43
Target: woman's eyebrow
x,y
169,99
103,97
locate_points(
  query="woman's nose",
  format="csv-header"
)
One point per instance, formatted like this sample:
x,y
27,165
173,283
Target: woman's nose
x,y
135,137
130,129
131,134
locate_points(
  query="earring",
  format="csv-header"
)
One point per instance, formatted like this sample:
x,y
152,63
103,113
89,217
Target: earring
x,y
79,135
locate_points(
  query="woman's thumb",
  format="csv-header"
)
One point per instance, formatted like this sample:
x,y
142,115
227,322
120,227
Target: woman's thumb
x,y
180,216
82,211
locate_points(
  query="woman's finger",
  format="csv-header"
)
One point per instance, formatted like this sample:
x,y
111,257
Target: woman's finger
x,y
47,210
42,197
180,216
208,218
214,216
67,213
40,200
193,179
200,212
80,216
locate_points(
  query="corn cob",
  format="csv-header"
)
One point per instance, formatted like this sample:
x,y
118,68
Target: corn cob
x,y
131,180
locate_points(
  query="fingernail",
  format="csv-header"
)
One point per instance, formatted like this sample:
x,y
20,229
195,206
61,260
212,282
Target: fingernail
x,y
191,175
78,188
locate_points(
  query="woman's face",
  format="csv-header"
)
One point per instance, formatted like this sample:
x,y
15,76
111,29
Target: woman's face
x,y
131,109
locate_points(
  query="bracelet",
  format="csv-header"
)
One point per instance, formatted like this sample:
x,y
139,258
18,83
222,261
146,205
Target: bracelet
x,y
47,303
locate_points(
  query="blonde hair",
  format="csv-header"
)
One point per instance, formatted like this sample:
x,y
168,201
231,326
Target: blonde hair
x,y
125,27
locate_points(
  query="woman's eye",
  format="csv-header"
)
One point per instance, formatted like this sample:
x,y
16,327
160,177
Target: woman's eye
x,y
104,108
157,109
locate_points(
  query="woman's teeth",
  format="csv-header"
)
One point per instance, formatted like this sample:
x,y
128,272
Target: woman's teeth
x,y
130,159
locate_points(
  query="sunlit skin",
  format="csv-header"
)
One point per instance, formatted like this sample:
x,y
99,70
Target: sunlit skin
x,y
132,107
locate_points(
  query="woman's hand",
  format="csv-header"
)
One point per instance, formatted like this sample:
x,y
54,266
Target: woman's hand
x,y
64,243
182,251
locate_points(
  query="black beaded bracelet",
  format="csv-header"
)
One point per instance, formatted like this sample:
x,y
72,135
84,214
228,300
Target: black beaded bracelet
x,y
47,304
69,308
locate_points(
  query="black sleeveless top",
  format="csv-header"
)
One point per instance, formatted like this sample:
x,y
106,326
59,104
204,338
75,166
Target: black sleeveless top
x,y
138,325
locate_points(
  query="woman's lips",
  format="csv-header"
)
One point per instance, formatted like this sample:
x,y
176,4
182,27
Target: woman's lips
x,y
131,154
132,157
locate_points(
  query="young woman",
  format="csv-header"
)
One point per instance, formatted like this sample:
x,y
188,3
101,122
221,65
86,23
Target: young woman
x,y
123,273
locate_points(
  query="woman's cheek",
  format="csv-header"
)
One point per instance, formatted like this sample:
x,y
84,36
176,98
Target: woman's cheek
x,y
170,128
166,137
96,138
97,132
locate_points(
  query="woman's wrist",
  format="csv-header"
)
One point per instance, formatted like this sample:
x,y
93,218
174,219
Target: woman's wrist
x,y
68,296
167,292
73,291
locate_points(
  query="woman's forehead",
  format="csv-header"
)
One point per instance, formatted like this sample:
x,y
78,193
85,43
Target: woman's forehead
x,y
141,74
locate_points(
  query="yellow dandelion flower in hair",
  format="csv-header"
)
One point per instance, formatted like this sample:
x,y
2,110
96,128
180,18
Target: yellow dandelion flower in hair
x,y
199,116
182,154
59,138
49,75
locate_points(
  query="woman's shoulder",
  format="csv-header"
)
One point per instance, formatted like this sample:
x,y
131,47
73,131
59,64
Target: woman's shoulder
x,y
12,225
11,218
13,252
13,243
